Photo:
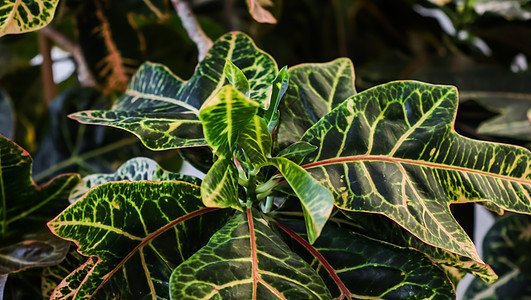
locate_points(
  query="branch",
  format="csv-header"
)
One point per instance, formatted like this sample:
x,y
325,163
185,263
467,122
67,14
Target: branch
x,y
192,27
85,76
48,85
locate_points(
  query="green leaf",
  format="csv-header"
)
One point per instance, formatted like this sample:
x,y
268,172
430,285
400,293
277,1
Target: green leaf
x,y
6,115
506,248
223,116
296,152
135,234
317,201
135,169
246,260
355,266
280,85
162,110
393,150
220,186
313,91
256,141
236,78
18,16
24,209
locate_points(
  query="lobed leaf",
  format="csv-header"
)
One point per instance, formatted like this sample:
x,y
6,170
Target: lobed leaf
x,y
162,110
135,234
316,200
223,116
393,150
135,169
313,91
354,266
18,16
246,260
24,209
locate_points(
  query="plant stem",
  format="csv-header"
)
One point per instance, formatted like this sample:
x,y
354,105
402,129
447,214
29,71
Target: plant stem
x,y
48,85
251,188
192,27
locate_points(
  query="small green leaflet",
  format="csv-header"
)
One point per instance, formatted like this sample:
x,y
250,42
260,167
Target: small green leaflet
x,y
18,16
393,150
236,78
220,185
256,141
134,234
223,116
162,109
280,85
246,260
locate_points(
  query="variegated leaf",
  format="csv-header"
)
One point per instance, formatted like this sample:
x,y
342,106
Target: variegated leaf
x,y
256,141
135,169
313,91
162,110
135,234
246,260
506,248
223,116
220,186
357,267
236,77
393,150
18,16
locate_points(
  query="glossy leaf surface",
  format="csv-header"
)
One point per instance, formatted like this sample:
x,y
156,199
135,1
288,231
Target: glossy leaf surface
x,y
220,185
256,141
134,233
25,207
162,109
246,260
279,88
18,16
393,150
506,248
223,116
236,77
356,267
135,169
313,91
316,200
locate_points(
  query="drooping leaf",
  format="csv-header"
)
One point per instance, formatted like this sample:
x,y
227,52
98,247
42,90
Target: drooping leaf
x,y
135,169
236,78
220,186
393,150
18,16
162,110
246,260
259,13
313,91
280,85
316,200
506,248
256,141
134,233
356,267
6,115
25,207
223,116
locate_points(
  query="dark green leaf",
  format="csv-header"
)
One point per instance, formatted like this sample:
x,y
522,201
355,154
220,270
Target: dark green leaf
x,y
256,141
18,16
393,150
220,186
280,85
506,249
317,201
135,169
162,110
236,78
357,267
223,116
135,234
246,260
313,91
25,207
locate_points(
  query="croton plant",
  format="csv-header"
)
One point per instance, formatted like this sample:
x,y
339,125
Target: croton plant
x,y
312,191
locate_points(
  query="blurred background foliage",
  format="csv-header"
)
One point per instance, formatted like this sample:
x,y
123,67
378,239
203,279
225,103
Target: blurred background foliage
x,y
86,56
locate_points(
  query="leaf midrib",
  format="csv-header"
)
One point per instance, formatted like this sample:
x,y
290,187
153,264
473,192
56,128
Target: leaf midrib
x,y
421,163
